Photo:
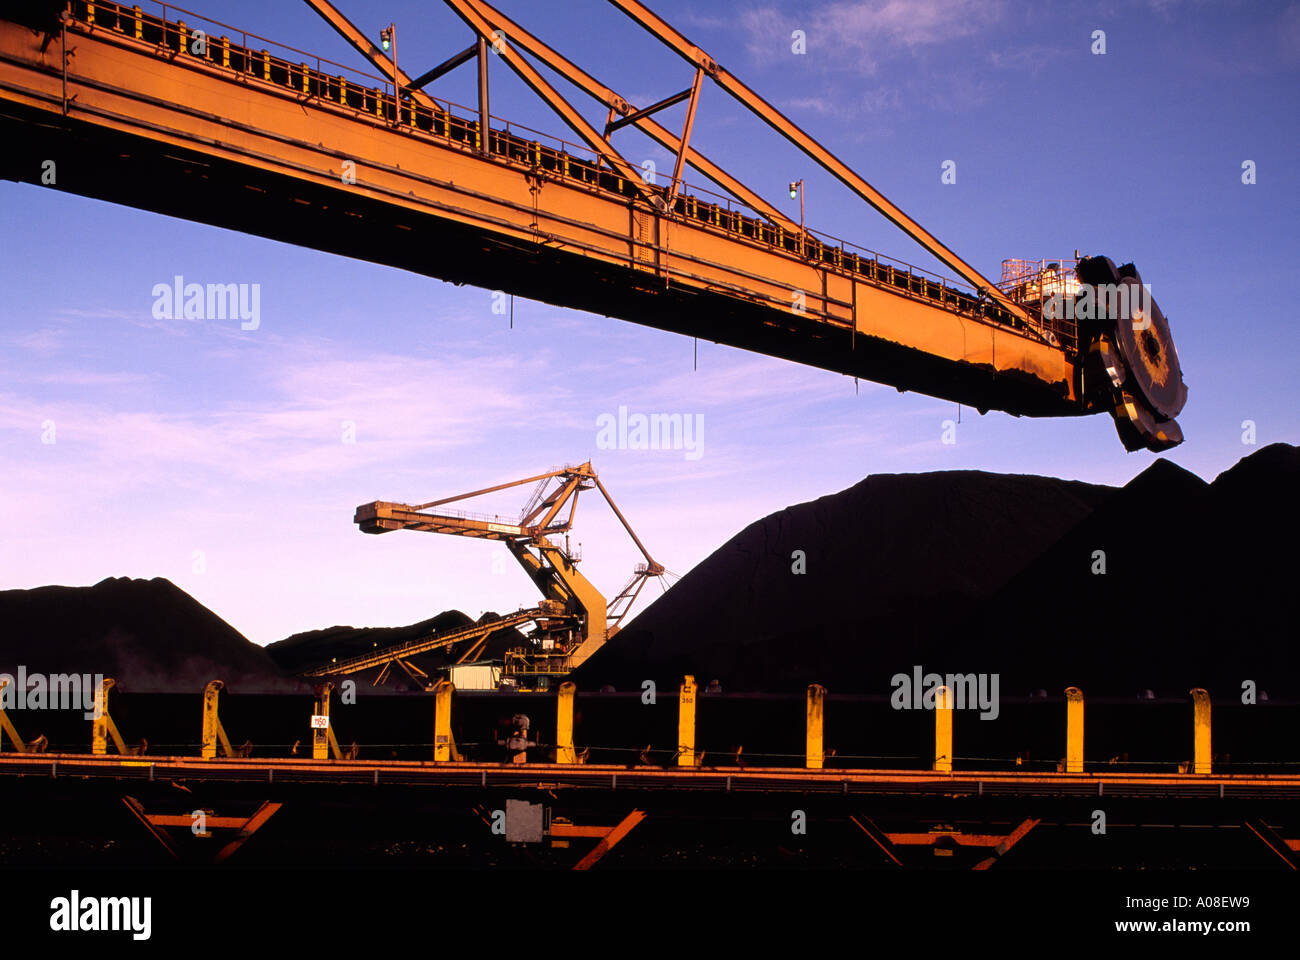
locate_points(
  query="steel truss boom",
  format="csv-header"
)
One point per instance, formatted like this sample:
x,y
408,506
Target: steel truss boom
x,y
372,166
524,40
529,75
490,24
783,125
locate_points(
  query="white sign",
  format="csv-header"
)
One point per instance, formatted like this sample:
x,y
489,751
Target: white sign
x,y
320,722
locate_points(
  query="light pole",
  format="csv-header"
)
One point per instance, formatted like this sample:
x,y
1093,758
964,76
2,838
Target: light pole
x,y
388,38
796,189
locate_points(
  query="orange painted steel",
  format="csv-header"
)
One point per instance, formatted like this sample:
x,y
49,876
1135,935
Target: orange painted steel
x,y
571,601
693,55
262,145
610,839
851,781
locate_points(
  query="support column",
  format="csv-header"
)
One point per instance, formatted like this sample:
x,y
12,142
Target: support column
x,y
1201,754
320,741
442,721
816,748
211,722
1073,730
943,730
564,750
99,725
686,135
484,115
686,723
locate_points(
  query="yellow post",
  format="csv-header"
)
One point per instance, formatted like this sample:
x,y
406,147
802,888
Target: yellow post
x,y
99,725
211,722
816,751
225,52
139,23
442,721
320,739
306,79
1201,756
564,751
943,730
686,723
1073,730
266,65
6,725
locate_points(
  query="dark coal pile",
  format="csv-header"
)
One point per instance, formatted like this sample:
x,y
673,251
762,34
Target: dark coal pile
x,y
149,635
1198,590
963,572
153,637
317,647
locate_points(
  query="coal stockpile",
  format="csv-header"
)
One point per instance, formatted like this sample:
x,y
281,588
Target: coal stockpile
x,y
1196,591
152,637
149,635
1145,590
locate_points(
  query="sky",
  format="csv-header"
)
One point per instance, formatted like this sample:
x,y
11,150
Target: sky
x,y
220,459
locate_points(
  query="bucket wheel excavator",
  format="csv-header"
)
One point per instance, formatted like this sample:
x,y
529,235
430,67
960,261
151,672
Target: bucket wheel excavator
x,y
573,620
255,141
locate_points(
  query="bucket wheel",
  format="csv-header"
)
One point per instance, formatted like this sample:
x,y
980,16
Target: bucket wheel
x,y
1132,357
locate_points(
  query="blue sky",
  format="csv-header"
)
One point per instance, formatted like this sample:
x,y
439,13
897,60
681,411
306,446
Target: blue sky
x,y
177,436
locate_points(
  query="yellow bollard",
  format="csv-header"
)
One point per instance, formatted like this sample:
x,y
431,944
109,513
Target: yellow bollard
x,y
442,721
1073,730
320,736
943,730
102,726
816,750
99,725
211,723
6,725
1201,756
564,750
686,723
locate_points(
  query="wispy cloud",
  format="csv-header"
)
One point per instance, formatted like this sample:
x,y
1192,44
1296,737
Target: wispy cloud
x,y
860,35
85,378
286,431
43,342
892,53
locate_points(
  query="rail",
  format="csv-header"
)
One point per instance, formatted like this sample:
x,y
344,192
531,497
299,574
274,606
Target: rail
x,y
1198,764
